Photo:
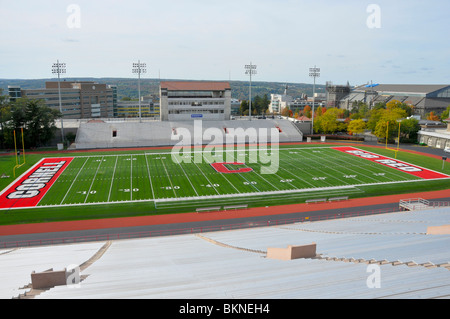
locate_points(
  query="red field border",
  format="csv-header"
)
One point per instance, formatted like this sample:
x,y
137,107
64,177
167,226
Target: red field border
x,y
31,187
393,163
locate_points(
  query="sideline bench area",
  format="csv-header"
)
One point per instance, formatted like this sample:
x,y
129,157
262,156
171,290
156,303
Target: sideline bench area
x,y
324,200
218,208
245,206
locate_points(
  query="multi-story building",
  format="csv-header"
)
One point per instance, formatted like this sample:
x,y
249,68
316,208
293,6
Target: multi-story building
x,y
149,108
85,99
336,93
190,100
278,102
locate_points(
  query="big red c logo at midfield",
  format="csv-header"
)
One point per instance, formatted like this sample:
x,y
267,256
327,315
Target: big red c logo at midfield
x,y
32,186
221,168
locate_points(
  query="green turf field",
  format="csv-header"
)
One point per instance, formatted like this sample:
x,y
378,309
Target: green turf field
x,y
154,182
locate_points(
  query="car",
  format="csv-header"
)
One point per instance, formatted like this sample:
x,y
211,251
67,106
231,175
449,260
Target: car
x,y
447,150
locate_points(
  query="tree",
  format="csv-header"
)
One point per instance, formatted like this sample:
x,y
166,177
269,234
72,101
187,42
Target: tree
x,y
265,102
5,115
256,105
375,116
36,119
409,129
307,111
359,110
286,112
446,114
328,122
397,104
432,117
244,107
356,126
387,125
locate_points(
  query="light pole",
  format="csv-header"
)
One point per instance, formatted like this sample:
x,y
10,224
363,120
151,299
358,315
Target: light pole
x,y
315,73
60,68
249,70
139,68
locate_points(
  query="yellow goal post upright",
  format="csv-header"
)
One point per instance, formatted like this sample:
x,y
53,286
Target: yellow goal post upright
x,y
17,152
398,139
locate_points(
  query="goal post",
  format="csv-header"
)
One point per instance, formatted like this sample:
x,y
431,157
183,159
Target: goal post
x,y
17,152
398,139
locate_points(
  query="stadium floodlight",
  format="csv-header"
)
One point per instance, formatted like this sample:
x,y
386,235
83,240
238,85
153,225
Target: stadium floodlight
x,y
315,73
60,68
250,70
139,68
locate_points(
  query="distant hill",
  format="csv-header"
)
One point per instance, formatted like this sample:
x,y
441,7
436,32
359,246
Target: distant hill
x,y
128,87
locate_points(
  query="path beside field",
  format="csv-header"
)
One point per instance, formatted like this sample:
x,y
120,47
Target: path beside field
x,y
208,216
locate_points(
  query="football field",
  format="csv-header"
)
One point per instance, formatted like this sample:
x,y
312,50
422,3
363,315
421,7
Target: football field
x,y
161,178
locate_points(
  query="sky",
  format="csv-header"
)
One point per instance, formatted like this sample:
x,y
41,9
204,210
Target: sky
x,y
355,41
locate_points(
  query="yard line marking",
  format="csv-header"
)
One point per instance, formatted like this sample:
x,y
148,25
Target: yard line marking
x,y
362,166
323,158
131,177
212,184
149,176
168,176
93,179
178,162
74,181
112,178
254,171
306,171
224,175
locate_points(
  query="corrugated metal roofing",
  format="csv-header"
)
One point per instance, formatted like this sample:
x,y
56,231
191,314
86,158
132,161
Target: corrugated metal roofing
x,y
403,88
188,266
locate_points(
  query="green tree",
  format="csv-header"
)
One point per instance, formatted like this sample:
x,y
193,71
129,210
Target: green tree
x,y
5,116
409,129
256,105
388,125
265,103
244,107
395,104
356,126
446,114
36,119
328,123
375,115
359,110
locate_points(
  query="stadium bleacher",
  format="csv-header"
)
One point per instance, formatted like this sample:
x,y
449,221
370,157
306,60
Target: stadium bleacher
x,y
232,263
114,134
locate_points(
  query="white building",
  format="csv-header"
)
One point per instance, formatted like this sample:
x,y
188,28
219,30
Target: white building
x,y
190,100
278,102
437,138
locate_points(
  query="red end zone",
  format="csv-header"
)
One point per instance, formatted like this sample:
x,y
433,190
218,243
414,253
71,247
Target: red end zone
x,y
29,189
393,163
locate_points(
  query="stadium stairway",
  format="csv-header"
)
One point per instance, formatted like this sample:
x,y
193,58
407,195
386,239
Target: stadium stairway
x,y
410,263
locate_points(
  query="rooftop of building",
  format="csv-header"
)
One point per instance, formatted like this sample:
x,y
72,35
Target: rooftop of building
x,y
195,86
402,88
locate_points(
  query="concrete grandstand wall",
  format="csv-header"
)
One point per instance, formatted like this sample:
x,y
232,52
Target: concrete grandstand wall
x,y
144,134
